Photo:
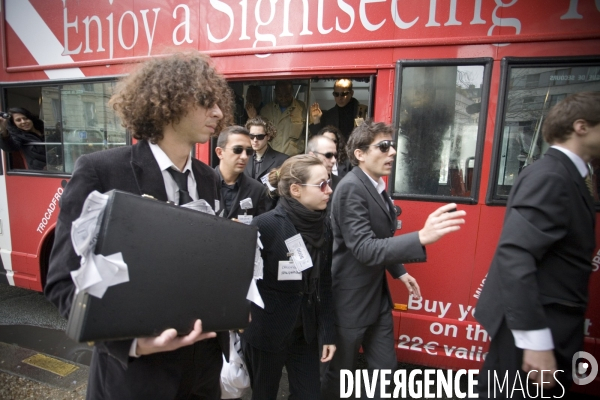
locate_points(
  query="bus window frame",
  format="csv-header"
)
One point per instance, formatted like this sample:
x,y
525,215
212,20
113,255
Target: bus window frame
x,y
59,82
506,66
487,63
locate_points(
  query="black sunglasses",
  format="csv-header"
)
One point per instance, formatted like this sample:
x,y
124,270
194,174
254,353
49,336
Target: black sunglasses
x,y
327,155
258,137
384,145
343,94
323,185
239,149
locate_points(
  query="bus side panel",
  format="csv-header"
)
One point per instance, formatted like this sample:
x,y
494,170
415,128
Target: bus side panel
x,y
32,217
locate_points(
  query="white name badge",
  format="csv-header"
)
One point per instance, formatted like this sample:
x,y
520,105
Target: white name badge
x,y
265,179
288,272
299,252
245,219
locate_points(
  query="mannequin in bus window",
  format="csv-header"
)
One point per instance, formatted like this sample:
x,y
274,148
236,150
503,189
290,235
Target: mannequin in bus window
x,y
18,131
345,115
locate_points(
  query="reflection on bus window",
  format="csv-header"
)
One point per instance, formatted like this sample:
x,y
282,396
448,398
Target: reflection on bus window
x,y
77,121
532,91
438,128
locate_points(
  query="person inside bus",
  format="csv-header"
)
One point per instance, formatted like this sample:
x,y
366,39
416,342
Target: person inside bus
x,y
195,103
342,165
242,197
18,132
265,158
297,304
363,219
535,295
345,115
254,102
288,115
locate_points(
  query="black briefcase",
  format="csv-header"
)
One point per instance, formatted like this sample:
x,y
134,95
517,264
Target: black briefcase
x,y
183,265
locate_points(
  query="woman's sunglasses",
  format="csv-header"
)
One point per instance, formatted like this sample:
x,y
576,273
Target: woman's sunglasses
x,y
323,185
384,145
239,149
327,155
257,137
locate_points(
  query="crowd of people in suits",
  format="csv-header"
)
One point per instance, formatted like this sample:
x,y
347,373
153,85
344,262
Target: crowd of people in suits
x,y
334,198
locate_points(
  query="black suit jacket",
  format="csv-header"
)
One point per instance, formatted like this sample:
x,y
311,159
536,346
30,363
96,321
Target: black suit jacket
x,y
332,117
364,247
272,327
131,169
542,264
271,159
247,188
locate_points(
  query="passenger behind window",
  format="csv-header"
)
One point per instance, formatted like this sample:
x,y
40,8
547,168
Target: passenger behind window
x,y
345,115
18,131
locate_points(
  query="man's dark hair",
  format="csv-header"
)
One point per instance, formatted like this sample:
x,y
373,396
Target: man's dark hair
x,y
558,125
230,130
340,142
163,90
363,135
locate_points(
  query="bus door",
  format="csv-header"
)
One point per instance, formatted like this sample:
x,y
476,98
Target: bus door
x,y
439,117
305,91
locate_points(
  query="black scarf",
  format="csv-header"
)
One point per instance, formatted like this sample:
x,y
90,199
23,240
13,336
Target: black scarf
x,y
310,224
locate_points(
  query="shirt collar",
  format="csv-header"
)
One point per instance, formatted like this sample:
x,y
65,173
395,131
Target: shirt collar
x,y
578,161
379,186
163,160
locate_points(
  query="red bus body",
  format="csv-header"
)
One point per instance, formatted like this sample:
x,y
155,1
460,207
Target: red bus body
x,y
269,40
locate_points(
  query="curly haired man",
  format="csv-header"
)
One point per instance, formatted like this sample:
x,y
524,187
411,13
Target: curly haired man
x,y
169,104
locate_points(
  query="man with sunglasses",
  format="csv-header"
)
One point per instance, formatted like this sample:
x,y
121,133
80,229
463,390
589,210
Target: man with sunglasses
x,y
265,158
242,197
363,220
345,115
325,150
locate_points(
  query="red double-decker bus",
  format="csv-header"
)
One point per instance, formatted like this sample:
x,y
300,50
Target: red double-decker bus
x,y
465,83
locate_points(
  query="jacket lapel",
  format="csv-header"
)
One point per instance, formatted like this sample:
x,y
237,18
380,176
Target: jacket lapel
x,y
146,171
269,159
372,190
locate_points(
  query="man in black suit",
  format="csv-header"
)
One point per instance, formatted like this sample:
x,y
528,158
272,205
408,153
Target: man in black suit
x,y
364,222
242,197
345,115
195,103
325,150
536,290
265,157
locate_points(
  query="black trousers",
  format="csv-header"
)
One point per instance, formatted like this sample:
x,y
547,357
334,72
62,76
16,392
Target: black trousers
x,y
301,359
377,341
504,360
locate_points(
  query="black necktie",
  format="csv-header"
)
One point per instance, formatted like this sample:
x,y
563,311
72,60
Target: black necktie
x,y
181,179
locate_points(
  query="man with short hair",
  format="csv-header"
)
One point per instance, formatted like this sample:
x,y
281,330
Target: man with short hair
x,y
345,115
194,105
288,115
536,291
363,219
265,158
242,197
325,149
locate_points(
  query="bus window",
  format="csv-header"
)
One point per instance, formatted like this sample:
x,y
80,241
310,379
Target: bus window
x,y
529,93
439,129
77,121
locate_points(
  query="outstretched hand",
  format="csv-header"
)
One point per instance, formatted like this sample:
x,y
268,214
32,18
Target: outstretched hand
x,y
316,113
169,341
441,222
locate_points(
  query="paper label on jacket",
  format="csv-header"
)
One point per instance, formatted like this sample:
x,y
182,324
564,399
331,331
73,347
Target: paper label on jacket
x,y
288,272
299,252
